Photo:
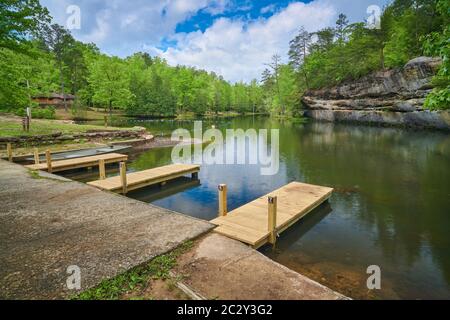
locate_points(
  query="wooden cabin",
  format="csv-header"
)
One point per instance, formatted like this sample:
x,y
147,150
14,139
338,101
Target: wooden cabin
x,y
54,99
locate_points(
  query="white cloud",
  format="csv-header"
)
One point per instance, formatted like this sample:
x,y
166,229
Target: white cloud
x,y
123,27
238,49
218,6
267,9
246,6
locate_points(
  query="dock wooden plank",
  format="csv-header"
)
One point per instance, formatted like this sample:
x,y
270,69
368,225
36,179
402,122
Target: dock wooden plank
x,y
141,179
76,163
249,223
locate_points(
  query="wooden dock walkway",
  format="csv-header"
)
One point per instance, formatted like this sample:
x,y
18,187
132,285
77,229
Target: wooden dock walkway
x,y
141,179
259,221
77,163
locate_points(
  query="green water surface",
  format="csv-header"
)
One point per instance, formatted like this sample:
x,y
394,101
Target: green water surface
x,y
390,206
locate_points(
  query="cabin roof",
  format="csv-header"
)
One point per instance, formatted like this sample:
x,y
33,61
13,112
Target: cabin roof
x,y
54,96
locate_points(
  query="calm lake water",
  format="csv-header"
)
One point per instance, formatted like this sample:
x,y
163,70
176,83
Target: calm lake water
x,y
390,206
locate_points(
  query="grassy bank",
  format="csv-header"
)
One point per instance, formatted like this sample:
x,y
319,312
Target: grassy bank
x,y
56,147
90,114
152,280
11,126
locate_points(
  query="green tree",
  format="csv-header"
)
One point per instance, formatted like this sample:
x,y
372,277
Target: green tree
x,y
57,40
20,19
325,40
109,79
150,86
25,75
298,51
341,28
77,69
438,44
275,65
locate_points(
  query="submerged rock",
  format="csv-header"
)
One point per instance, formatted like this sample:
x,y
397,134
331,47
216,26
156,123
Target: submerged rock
x,y
391,97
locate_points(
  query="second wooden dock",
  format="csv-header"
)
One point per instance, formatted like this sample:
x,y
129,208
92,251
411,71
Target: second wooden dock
x,y
78,163
259,221
141,179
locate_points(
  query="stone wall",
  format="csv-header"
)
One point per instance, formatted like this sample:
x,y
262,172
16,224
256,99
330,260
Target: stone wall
x,y
59,137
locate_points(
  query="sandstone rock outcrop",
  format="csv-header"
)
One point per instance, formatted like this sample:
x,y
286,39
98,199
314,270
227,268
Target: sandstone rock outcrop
x,y
391,97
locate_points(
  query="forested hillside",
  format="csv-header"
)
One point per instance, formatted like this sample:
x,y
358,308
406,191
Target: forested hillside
x,y
139,84
39,58
408,29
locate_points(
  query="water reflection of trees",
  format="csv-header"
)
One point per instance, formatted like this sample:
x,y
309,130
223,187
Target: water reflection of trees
x,y
402,175
398,180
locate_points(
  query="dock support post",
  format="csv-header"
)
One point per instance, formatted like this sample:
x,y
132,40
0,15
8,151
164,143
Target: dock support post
x,y
101,169
222,200
272,220
48,157
123,177
36,156
9,152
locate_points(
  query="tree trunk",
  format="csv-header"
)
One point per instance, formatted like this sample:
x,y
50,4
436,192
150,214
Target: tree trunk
x,y
61,78
110,108
304,71
279,98
279,91
306,79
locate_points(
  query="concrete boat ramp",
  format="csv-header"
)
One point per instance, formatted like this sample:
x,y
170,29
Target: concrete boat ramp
x,y
48,224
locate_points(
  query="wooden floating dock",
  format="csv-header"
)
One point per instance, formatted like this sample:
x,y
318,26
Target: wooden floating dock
x,y
77,163
131,181
259,221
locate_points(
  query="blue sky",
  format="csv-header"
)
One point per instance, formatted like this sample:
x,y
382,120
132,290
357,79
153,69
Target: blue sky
x,y
241,9
233,38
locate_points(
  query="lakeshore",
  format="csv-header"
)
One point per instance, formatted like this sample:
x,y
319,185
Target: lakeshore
x,y
49,223
321,245
224,150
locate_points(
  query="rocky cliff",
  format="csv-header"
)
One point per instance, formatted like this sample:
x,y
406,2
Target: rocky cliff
x,y
392,97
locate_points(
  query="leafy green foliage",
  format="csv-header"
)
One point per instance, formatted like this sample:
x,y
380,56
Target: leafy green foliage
x,y
137,278
13,128
110,82
20,19
38,113
150,86
438,99
438,43
141,85
23,76
408,28
348,52
280,92
38,58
